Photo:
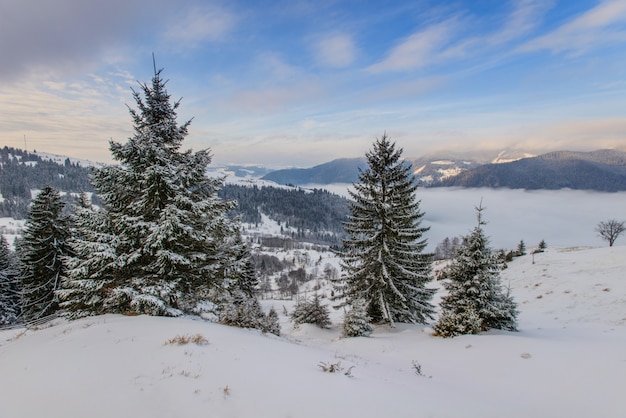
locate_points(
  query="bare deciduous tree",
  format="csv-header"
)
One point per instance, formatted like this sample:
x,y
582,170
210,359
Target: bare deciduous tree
x,y
610,230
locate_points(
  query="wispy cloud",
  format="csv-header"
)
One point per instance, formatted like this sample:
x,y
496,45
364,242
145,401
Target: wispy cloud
x,y
418,50
526,16
602,25
275,67
275,98
335,50
201,24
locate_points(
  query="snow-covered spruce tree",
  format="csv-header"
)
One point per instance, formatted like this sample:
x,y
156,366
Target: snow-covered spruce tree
x,y
92,266
383,257
238,303
169,226
271,322
9,289
356,322
311,312
241,310
42,250
476,300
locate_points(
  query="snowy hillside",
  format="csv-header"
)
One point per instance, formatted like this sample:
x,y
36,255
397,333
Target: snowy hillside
x,y
568,360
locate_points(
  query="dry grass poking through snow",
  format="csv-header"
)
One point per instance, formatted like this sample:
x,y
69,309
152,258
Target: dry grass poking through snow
x,y
197,339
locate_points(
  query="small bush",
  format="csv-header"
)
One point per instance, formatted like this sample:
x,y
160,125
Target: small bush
x,y
335,368
197,339
270,322
311,312
356,321
453,324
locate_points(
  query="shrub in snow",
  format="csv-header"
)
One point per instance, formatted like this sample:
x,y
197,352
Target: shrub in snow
x,y
356,322
270,322
240,310
197,339
311,312
244,311
451,324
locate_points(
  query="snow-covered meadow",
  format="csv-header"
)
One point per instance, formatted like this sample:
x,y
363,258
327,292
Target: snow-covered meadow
x,y
567,360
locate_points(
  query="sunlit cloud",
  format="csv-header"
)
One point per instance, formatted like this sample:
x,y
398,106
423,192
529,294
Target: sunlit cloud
x,y
335,50
599,26
66,118
565,134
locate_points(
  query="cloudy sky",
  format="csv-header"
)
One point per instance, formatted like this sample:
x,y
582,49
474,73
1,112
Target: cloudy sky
x,y
299,82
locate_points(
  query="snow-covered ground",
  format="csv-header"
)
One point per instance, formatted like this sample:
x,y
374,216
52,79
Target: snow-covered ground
x,y
567,360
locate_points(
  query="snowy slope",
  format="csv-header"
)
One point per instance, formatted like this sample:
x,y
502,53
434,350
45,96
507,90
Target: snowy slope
x,y
568,360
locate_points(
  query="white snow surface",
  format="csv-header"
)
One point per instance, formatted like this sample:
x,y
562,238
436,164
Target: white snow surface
x,y
567,360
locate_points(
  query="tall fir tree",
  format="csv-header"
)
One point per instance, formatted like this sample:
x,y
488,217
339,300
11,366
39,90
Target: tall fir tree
x,y
168,228
476,300
383,259
9,286
42,251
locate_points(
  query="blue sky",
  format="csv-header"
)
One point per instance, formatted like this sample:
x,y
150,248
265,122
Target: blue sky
x,y
299,83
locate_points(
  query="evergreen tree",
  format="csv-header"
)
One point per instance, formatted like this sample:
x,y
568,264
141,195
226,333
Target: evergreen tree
x,y
240,310
356,322
542,245
238,304
475,301
9,289
43,247
165,225
91,269
271,322
311,312
240,274
383,255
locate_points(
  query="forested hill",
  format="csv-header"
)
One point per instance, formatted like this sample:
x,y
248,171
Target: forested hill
x,y
21,172
315,215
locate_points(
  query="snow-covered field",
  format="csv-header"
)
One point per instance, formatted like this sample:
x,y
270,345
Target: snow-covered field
x,y
567,360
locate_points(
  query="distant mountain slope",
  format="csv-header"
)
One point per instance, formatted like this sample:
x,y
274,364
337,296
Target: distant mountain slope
x,y
428,169
243,171
343,170
431,169
603,170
